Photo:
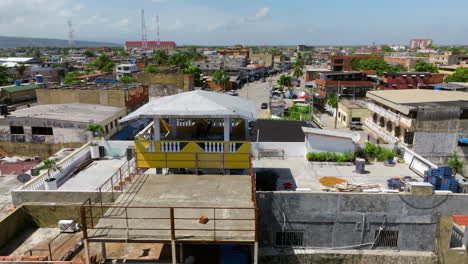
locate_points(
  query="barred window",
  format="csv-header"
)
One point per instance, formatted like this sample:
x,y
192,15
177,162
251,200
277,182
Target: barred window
x,y
289,239
386,238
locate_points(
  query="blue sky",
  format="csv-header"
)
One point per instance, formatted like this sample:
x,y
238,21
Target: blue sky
x,y
254,22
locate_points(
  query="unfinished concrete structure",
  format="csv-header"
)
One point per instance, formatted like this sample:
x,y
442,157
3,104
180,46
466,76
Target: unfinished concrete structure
x,y
130,96
41,129
163,84
431,122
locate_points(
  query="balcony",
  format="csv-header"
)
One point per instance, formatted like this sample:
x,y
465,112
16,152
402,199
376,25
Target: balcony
x,y
381,132
193,154
383,112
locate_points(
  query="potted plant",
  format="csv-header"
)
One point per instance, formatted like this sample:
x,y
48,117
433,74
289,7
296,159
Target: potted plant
x,y
95,130
50,183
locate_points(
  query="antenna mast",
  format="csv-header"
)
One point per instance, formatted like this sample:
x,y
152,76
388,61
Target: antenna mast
x,y
144,37
158,43
71,40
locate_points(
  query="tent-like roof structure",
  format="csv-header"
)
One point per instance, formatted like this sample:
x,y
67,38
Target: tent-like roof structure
x,y
196,104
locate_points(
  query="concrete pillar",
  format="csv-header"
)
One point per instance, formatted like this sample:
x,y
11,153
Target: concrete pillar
x,y
227,128
86,249
173,124
157,130
174,254
181,253
255,253
103,251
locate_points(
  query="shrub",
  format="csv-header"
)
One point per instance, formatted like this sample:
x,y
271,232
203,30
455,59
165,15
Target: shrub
x,y
330,156
370,150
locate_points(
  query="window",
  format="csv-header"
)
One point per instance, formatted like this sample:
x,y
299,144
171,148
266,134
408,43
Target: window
x,y
356,119
344,118
456,238
107,129
111,125
45,131
289,239
397,131
386,238
116,123
16,130
464,114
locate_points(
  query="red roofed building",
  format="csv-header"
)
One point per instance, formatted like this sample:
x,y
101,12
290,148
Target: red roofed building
x,y
150,45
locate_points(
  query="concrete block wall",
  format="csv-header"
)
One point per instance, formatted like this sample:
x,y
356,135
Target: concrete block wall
x,y
331,220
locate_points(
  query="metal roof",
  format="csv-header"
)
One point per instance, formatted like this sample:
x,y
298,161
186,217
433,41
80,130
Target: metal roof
x,y
196,104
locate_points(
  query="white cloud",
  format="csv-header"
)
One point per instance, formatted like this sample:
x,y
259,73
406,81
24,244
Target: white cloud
x,y
262,12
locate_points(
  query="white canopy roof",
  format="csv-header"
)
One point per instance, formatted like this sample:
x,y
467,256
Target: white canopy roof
x,y
196,104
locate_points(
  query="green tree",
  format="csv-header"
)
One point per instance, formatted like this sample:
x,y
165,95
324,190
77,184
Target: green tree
x,y
456,164
101,62
95,129
151,69
160,57
284,81
298,66
20,69
332,100
70,78
376,64
126,79
196,72
50,165
220,77
89,54
109,67
460,75
123,53
5,76
422,66
386,49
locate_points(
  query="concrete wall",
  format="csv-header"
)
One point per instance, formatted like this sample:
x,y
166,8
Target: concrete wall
x,y
291,149
318,143
332,220
31,149
163,84
13,224
20,197
63,96
263,58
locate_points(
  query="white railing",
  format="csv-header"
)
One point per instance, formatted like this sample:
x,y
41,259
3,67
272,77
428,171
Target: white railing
x,y
383,112
170,146
214,147
66,165
389,138
232,147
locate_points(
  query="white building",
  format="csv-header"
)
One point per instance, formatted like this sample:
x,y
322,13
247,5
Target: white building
x,y
125,70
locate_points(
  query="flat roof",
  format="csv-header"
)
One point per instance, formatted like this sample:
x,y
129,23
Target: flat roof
x,y
95,86
419,97
306,175
332,133
342,73
353,103
75,112
279,131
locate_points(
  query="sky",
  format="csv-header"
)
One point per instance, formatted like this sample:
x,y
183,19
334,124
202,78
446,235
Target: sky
x,y
246,22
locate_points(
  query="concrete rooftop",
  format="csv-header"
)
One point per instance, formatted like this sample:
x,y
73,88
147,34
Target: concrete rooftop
x,y
69,112
186,192
307,175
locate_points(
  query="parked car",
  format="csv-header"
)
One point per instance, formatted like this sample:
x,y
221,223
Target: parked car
x,y
232,92
355,125
264,106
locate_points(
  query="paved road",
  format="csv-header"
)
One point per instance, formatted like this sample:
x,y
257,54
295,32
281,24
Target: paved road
x,y
259,93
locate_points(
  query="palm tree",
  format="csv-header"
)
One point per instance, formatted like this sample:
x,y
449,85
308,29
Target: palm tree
x,y
20,68
220,77
95,130
51,166
298,66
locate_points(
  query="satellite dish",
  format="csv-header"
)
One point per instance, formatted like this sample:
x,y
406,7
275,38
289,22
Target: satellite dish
x,y
23,177
356,137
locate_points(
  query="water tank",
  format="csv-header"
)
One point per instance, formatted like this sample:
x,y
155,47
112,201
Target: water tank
x,y
39,79
437,88
17,83
360,166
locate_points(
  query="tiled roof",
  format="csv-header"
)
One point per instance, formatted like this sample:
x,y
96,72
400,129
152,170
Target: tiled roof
x,y
461,219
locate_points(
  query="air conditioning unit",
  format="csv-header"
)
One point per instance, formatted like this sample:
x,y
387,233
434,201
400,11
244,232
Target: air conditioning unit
x,y
68,226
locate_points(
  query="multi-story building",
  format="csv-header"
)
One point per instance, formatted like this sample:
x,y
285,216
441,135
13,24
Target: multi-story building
x,y
231,64
262,58
129,96
448,58
431,122
410,80
149,45
235,51
343,63
352,111
408,62
353,84
420,43
125,70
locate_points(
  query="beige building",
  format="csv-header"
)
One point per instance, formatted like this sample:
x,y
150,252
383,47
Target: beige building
x,y
448,58
432,123
352,111
262,58
163,84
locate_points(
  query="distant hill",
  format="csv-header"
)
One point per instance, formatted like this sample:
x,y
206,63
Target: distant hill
x,y
14,42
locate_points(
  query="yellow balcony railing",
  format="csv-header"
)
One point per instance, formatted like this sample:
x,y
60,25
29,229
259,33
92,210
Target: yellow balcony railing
x,y
193,154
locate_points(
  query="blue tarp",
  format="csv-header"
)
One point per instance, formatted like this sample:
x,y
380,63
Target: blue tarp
x,y
463,140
